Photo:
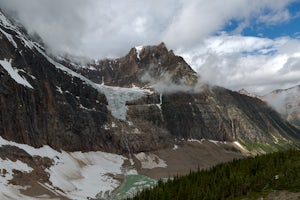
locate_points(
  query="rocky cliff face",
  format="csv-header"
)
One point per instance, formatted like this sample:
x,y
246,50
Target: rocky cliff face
x,y
141,102
216,114
59,108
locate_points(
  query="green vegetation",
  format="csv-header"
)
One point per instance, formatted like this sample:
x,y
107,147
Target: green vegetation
x,y
262,148
247,178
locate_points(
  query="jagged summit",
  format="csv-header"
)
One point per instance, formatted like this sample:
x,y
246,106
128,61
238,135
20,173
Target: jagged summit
x,y
143,66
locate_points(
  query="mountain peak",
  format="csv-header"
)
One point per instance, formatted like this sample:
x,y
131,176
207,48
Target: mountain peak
x,y
154,50
143,66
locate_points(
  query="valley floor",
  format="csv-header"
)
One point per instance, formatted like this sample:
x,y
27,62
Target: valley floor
x,y
191,155
43,173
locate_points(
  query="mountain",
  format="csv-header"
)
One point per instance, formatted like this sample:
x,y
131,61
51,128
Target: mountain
x,y
73,131
189,108
286,102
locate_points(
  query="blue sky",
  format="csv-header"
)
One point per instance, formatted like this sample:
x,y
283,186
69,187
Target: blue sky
x,y
251,44
288,27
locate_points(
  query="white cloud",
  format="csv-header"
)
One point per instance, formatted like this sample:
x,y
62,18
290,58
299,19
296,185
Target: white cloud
x,y
257,64
236,44
110,28
275,17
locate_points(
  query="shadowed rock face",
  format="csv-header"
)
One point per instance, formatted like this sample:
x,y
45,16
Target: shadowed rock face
x,y
216,114
67,111
50,113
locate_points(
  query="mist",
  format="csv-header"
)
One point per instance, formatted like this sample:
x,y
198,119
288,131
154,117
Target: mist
x,y
166,85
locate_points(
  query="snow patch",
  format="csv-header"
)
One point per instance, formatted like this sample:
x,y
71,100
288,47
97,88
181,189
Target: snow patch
x,y
175,147
239,146
106,127
59,89
150,161
22,70
138,50
9,37
92,68
214,141
85,108
14,73
160,101
194,140
130,123
26,42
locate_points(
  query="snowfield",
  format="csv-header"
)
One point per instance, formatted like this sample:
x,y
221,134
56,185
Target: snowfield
x,y
73,175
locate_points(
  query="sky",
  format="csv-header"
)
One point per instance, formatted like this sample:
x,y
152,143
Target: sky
x,y
250,44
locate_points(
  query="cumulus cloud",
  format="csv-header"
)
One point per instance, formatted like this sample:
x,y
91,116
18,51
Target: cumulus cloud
x,y
98,29
259,65
93,28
